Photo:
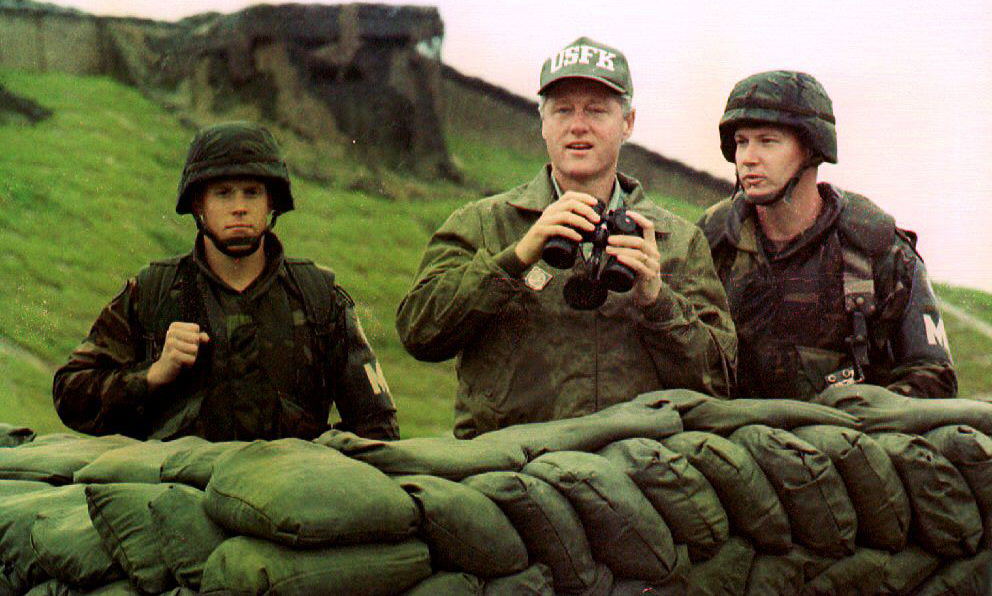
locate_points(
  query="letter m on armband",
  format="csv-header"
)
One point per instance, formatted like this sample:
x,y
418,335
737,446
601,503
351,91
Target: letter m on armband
x,y
377,380
936,334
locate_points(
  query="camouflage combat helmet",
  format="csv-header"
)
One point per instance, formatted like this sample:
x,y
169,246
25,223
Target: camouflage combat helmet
x,y
235,149
784,97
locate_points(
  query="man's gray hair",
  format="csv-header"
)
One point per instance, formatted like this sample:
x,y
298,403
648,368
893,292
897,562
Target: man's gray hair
x,y
626,103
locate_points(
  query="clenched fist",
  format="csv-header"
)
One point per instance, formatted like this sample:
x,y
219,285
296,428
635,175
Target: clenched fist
x,y
182,344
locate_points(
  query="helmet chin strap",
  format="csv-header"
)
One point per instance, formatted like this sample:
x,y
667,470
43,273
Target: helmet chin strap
x,y
236,248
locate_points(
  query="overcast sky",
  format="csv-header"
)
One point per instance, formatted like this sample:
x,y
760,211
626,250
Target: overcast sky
x,y
911,84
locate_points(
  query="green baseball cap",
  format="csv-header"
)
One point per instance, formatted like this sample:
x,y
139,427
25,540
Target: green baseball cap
x,y
588,59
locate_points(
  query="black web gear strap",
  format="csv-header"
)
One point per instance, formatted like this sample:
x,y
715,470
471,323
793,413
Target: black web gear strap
x,y
859,302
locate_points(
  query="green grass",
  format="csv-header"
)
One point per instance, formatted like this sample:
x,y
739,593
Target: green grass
x,y
24,391
87,198
976,302
972,353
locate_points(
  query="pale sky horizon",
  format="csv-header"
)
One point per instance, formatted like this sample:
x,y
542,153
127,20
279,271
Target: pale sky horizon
x,y
911,84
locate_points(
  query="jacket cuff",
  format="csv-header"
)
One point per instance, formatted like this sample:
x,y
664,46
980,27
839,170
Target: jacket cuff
x,y
136,388
509,262
666,308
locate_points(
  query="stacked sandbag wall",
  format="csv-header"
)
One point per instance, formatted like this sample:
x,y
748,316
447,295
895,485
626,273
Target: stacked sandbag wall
x,y
671,493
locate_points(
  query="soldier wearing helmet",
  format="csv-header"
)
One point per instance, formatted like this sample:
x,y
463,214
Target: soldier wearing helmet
x,y
234,340
823,287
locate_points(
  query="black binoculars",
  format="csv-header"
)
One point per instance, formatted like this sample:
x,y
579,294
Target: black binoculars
x,y
589,291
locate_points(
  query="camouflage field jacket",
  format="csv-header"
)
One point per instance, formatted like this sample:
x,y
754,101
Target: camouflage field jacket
x,y
523,354
268,371
789,308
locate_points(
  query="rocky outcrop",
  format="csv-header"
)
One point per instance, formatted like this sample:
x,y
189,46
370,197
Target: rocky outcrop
x,y
364,75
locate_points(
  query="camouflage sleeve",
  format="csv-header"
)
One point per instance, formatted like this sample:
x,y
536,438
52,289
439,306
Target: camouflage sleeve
x,y
103,387
917,339
690,333
459,287
362,396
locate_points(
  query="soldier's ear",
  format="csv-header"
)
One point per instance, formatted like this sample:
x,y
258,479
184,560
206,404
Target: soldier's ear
x,y
628,127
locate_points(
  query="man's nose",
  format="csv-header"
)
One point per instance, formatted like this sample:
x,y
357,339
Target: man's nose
x,y
747,154
579,122
240,202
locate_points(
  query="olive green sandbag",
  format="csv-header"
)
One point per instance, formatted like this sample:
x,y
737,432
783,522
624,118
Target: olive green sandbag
x,y
69,548
623,529
723,416
547,523
186,533
449,583
446,457
820,514
678,491
298,493
881,410
243,565
645,416
908,569
791,572
946,520
860,573
751,503
119,588
55,458
775,575
534,581
872,483
464,529
19,565
12,436
726,572
121,515
962,577
971,453
676,584
139,462
18,487
194,464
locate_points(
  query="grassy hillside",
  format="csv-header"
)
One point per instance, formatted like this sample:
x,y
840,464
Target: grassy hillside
x,y
87,197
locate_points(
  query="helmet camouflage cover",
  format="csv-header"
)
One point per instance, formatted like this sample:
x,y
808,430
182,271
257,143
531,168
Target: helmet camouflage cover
x,y
787,98
235,149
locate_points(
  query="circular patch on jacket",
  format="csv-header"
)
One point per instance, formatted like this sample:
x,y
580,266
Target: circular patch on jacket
x,y
537,278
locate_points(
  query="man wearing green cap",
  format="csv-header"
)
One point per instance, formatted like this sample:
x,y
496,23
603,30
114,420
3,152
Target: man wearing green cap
x,y
535,342
825,290
233,341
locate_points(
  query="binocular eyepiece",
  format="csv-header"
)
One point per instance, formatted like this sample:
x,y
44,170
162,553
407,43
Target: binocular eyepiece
x,y
589,291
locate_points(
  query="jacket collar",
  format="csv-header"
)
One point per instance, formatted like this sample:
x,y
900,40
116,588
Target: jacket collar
x,y
741,225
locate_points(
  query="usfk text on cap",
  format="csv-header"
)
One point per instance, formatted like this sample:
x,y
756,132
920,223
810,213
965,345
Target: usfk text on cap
x,y
588,59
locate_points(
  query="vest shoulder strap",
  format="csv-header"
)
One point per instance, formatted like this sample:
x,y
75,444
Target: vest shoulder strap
x,y
154,283
317,290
